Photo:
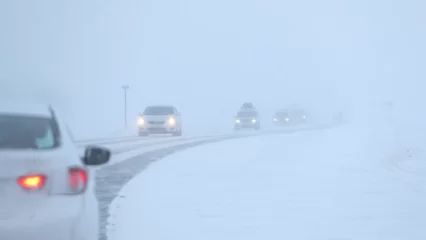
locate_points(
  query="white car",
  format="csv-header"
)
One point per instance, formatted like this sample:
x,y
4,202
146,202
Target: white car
x,y
247,120
160,119
46,188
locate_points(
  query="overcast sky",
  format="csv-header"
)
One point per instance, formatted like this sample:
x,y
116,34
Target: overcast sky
x,y
207,57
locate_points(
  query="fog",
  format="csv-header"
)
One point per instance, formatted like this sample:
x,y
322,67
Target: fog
x,y
207,57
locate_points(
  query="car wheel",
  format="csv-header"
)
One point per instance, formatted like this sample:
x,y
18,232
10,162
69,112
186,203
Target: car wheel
x,y
143,134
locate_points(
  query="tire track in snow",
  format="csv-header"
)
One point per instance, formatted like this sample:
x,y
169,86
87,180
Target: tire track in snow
x,y
111,179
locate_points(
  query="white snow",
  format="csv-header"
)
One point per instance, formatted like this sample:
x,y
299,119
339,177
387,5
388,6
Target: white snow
x,y
330,184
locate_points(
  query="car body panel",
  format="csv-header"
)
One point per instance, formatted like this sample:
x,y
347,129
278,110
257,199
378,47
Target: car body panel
x,y
55,218
18,202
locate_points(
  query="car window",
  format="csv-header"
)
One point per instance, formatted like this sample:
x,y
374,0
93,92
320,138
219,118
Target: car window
x,y
158,111
247,114
24,132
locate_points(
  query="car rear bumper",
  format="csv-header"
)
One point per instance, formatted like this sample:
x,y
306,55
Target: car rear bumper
x,y
54,229
56,220
159,130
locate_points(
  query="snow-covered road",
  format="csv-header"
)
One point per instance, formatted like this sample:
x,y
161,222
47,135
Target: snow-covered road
x,y
131,158
124,148
304,185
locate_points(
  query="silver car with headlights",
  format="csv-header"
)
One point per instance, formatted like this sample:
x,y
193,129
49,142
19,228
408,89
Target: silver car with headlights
x,y
160,120
247,120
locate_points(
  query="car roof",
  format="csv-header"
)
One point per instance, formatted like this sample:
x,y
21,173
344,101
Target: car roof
x,y
29,109
248,110
160,106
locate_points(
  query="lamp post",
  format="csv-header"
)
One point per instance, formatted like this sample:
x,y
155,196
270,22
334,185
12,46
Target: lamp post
x,y
125,88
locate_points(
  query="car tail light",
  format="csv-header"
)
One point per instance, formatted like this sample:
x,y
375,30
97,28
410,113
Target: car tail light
x,y
32,182
78,179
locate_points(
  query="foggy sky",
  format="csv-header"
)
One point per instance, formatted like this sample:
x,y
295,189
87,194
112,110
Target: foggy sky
x,y
207,57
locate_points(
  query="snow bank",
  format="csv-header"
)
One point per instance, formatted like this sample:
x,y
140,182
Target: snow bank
x,y
309,185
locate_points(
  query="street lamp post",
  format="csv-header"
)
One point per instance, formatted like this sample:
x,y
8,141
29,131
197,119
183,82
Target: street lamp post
x,y
125,88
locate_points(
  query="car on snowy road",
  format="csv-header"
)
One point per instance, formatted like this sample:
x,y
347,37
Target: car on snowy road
x,y
46,189
247,120
160,120
290,117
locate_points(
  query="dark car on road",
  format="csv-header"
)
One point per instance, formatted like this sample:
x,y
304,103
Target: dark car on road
x,y
160,120
247,120
290,117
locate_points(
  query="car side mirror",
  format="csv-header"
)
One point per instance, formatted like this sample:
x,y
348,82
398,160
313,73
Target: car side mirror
x,y
95,156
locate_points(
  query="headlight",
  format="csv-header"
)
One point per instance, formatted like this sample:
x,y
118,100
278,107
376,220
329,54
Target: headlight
x,y
287,119
275,119
141,121
253,120
304,117
172,121
238,121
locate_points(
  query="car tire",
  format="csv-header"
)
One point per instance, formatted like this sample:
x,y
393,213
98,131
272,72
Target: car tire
x,y
143,134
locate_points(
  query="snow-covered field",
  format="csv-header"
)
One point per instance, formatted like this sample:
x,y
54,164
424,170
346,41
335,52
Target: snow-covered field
x,y
331,184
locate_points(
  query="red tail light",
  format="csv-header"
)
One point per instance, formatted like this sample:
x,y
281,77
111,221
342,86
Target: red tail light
x,y
78,179
32,181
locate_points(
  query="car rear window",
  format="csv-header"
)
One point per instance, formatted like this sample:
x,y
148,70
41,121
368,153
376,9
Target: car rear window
x,y
158,111
27,132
